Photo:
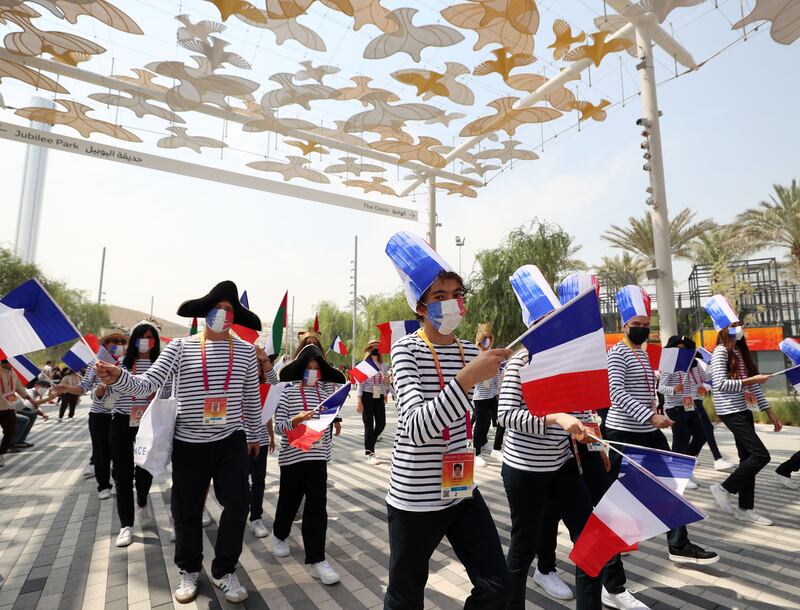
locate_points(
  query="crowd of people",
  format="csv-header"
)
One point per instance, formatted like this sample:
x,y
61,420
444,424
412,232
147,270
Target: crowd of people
x,y
448,393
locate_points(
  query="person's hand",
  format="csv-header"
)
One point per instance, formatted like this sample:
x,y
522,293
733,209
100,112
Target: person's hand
x,y
58,390
45,416
360,407
101,390
253,449
661,421
337,428
570,424
271,444
679,389
301,417
777,426
756,379
483,367
606,460
108,373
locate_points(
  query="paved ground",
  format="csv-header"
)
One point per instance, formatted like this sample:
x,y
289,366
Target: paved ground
x,y
57,551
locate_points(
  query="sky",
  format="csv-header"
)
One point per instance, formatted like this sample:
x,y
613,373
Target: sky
x,y
729,134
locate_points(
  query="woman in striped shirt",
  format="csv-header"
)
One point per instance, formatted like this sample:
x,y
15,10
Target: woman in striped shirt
x,y
429,497
371,396
304,474
485,399
737,394
217,425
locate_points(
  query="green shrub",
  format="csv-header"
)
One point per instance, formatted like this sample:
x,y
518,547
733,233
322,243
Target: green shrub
x,y
787,408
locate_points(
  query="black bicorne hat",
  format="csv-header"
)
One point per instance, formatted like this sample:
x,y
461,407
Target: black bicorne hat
x,y
295,369
224,291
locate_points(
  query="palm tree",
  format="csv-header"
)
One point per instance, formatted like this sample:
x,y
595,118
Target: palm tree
x,y
723,245
776,223
637,237
619,271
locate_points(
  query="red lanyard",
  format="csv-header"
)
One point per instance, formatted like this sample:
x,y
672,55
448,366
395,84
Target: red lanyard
x,y
695,377
421,335
650,389
3,382
205,370
303,396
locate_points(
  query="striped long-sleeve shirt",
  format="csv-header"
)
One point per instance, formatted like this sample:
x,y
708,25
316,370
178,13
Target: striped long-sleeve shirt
x,y
89,384
489,388
122,403
729,393
633,389
691,381
528,443
182,359
424,410
380,381
291,403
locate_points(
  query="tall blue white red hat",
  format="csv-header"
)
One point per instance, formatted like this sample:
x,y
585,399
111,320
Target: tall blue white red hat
x,y
576,284
791,349
721,312
534,294
632,301
417,264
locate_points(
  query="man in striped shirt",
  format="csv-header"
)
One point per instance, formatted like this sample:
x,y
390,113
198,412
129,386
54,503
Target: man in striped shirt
x,y
218,424
633,418
434,374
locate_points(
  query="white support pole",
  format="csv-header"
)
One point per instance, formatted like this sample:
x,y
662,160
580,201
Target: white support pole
x,y
432,212
665,290
30,200
355,303
290,340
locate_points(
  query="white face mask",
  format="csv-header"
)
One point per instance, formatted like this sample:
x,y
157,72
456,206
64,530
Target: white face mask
x,y
143,345
116,350
311,376
445,316
737,332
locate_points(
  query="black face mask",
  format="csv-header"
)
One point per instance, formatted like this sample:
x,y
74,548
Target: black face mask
x,y
374,353
638,334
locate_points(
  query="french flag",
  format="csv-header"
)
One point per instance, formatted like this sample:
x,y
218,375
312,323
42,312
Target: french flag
x,y
676,359
270,396
673,469
792,374
338,346
392,332
705,359
364,370
30,320
79,356
635,508
244,333
568,367
305,435
26,370
653,351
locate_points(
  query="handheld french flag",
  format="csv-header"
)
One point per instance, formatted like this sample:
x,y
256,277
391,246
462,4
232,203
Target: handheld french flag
x,y
635,508
305,435
26,370
364,370
30,320
392,332
338,346
568,367
673,469
676,359
79,356
793,375
270,396
244,333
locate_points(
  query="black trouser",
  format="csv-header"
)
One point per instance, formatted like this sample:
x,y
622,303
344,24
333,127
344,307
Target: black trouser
x,y
753,456
373,414
67,401
688,436
308,478
194,466
8,422
470,529
708,430
99,430
123,436
676,538
527,494
258,477
789,466
486,413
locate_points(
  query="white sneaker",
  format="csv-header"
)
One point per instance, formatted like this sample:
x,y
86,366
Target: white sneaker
x,y
206,517
231,587
373,460
280,548
144,516
497,454
125,536
690,484
623,601
324,572
722,497
258,528
751,516
89,472
187,587
787,481
479,461
104,494
553,585
723,464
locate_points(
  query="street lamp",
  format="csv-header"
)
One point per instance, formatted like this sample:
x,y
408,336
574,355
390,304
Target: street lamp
x,y
460,241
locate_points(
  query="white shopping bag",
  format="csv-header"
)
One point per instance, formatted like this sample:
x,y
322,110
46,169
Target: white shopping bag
x,y
153,447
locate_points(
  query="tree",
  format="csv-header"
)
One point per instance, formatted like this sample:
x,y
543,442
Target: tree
x,y
721,245
637,236
776,223
378,309
619,271
333,322
491,298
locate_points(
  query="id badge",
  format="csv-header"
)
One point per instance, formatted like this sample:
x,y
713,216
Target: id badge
x,y
688,404
10,398
215,410
594,430
751,401
136,414
457,475
376,391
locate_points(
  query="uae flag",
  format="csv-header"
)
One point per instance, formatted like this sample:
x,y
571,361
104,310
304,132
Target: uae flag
x,y
193,328
276,334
